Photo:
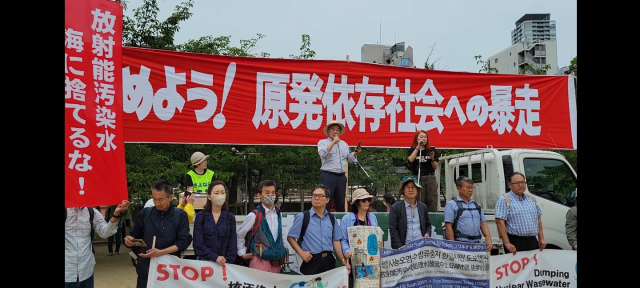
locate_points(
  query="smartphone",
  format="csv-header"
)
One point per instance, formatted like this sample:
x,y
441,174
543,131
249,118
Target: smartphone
x,y
360,144
433,148
139,243
187,193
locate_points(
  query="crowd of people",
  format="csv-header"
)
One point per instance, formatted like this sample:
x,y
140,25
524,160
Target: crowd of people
x,y
315,236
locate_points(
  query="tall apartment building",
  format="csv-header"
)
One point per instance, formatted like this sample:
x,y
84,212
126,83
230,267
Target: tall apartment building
x,y
534,27
533,47
396,55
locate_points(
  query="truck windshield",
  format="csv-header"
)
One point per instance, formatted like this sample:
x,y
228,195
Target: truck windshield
x,y
551,179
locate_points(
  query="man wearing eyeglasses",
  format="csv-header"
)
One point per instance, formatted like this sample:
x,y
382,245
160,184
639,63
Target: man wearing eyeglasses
x,y
408,219
314,248
520,223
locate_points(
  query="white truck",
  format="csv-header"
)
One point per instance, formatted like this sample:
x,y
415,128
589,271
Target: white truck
x,y
549,176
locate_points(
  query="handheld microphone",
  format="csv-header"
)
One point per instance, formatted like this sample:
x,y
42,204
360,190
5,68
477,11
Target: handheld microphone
x,y
335,135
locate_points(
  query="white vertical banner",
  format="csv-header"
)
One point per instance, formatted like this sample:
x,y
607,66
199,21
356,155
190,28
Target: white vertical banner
x,y
535,268
365,243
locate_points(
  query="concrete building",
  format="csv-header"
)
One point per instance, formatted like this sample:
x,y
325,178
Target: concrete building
x,y
397,54
563,70
533,46
522,55
532,27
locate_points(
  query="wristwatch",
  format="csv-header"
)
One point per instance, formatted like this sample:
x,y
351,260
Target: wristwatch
x,y
117,217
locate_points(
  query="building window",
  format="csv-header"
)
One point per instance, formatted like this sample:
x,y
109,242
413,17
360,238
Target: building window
x,y
514,64
495,61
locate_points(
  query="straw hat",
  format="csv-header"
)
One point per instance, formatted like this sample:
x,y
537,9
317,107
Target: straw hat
x,y
360,193
198,157
333,122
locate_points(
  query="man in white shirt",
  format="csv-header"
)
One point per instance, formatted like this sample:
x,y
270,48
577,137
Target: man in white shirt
x,y
79,260
260,236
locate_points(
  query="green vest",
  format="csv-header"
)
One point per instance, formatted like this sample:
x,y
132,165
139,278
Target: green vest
x,y
201,182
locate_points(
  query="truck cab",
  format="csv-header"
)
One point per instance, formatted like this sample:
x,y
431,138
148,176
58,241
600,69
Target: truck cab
x,y
549,176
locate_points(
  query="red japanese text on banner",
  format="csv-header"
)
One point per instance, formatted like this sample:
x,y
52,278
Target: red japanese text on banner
x,y
95,171
198,98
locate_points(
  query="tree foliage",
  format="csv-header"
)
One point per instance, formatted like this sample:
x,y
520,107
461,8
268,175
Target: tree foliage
x,y
573,66
148,32
305,49
222,46
532,70
484,65
431,65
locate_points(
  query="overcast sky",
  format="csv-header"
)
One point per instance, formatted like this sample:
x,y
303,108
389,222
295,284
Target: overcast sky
x,y
461,28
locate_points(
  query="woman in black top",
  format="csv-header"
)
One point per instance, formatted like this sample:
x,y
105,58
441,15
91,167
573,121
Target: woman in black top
x,y
421,154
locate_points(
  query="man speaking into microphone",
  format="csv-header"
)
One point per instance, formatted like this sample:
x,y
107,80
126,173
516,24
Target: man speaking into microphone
x,y
334,155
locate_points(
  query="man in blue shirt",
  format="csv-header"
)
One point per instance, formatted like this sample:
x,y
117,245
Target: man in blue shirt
x,y
471,222
316,246
519,224
334,155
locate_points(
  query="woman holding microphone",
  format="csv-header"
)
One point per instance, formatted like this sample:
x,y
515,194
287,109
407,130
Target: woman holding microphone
x,y
424,161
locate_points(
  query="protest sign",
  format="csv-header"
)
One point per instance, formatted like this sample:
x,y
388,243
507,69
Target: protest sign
x,y
435,263
365,243
535,268
169,271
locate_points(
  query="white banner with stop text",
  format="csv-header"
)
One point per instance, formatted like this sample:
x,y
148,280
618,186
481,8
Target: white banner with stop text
x,y
526,269
169,271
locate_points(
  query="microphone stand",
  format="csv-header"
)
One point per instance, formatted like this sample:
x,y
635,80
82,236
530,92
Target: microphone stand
x,y
419,166
365,171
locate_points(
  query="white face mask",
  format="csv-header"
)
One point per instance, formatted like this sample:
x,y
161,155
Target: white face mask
x,y
269,199
218,200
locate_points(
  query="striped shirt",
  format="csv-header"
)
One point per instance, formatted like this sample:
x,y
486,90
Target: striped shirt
x,y
523,215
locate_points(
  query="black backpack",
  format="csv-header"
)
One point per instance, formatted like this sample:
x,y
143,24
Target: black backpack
x,y
305,223
456,233
90,221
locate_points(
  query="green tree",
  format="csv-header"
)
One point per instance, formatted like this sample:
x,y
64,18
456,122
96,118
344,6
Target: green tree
x,y
573,66
431,65
484,65
535,71
146,31
305,49
222,46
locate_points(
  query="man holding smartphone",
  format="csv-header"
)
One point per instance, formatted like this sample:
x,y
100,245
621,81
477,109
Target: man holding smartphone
x,y
187,205
334,154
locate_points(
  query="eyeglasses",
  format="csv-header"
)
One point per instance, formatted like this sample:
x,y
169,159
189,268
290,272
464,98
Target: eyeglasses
x,y
366,200
317,196
519,183
411,187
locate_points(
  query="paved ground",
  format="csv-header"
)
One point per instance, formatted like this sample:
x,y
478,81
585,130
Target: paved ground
x,y
114,271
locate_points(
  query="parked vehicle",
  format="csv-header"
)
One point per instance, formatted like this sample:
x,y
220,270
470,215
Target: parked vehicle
x,y
549,176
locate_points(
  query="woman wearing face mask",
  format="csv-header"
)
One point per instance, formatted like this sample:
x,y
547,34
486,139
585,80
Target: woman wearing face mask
x,y
360,202
214,228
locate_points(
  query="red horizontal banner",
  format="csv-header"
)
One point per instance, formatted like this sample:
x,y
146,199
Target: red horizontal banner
x,y
175,97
